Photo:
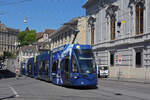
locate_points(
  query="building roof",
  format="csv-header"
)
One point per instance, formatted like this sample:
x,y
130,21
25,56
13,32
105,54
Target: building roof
x,y
28,48
8,30
89,2
27,29
13,30
49,31
71,22
39,35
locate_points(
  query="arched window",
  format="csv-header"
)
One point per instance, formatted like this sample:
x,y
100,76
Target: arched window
x,y
139,14
111,12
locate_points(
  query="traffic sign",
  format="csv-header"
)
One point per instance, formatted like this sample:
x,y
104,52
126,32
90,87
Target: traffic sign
x,y
119,58
123,21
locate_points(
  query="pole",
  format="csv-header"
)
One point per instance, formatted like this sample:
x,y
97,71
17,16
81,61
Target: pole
x,y
76,33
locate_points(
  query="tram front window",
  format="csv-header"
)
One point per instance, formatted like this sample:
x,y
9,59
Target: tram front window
x,y
86,60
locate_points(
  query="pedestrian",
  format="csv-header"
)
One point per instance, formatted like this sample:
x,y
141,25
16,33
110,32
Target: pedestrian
x,y
17,73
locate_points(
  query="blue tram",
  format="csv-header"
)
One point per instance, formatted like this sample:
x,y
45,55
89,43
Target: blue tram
x,y
43,64
30,67
23,69
67,65
39,66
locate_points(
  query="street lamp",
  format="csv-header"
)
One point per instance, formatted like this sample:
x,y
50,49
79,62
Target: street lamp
x,y
25,20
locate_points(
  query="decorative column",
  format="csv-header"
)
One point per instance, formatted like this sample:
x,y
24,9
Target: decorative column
x,y
91,21
148,15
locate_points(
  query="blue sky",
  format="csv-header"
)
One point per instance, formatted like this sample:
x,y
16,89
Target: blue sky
x,y
40,14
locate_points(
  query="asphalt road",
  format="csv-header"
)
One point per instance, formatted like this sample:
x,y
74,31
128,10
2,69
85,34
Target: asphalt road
x,y
26,88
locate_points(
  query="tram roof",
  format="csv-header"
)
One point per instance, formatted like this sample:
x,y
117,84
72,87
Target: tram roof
x,y
73,46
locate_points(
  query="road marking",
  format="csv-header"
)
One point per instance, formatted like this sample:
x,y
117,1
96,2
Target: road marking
x,y
13,90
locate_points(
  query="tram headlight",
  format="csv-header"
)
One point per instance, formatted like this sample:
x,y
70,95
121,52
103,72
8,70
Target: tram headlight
x,y
82,83
75,77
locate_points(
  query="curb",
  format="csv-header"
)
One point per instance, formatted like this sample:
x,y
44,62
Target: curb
x,y
128,80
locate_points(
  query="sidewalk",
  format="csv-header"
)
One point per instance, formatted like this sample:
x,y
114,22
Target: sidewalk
x,y
128,80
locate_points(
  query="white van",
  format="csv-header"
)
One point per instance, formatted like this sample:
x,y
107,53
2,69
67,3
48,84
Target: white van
x,y
103,72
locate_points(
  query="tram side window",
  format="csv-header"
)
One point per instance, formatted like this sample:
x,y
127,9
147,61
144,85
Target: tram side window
x,y
61,64
66,64
35,66
74,68
41,68
46,66
30,68
55,66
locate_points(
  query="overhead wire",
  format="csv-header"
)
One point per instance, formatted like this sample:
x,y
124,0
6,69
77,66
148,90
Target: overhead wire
x,y
3,3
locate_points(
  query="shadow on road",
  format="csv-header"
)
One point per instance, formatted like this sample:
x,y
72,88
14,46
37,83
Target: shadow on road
x,y
10,97
6,74
83,88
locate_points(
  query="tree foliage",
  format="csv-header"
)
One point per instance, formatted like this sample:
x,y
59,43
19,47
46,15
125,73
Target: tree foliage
x,y
27,37
7,54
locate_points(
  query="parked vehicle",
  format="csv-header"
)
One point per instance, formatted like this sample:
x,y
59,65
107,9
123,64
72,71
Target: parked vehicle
x,y
103,72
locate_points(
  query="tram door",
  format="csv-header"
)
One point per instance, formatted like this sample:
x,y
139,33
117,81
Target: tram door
x,y
35,69
66,70
30,69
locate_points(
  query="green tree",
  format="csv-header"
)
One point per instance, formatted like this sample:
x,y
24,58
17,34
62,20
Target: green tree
x,y
7,54
27,37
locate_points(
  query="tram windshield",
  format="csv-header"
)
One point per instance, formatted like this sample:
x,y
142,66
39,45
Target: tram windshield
x,y
86,60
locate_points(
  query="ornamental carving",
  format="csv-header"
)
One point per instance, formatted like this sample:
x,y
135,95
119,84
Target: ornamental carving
x,y
110,11
91,21
134,2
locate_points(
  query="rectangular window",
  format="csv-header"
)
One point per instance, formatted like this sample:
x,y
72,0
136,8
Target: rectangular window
x,y
139,15
112,28
138,59
92,35
30,68
111,60
44,67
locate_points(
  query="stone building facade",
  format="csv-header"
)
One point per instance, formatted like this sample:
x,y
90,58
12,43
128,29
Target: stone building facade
x,y
28,51
8,39
36,48
74,30
43,40
120,35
